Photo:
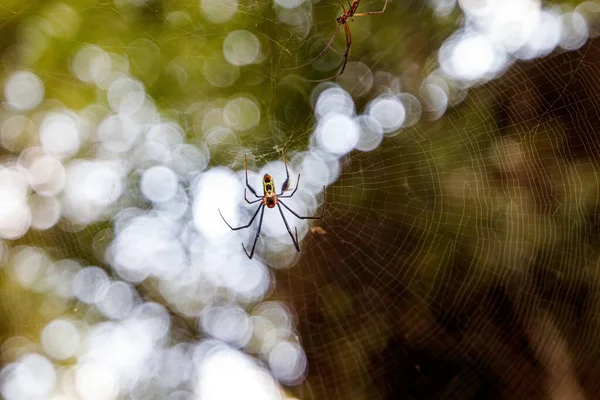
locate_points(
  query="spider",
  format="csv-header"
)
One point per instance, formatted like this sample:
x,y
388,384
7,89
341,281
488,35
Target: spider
x,y
341,20
271,199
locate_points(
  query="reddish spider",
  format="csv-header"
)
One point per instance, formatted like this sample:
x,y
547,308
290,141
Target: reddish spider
x,y
341,20
271,199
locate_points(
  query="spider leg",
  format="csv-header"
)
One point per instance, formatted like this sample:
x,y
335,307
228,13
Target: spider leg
x,y
245,226
253,201
286,183
343,13
290,195
257,233
348,44
247,184
341,71
288,228
322,51
301,217
373,12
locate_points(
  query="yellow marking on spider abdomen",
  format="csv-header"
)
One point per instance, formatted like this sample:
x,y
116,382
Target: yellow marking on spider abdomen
x,y
268,185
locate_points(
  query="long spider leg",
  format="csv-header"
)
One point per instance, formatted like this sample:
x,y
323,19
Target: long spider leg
x,y
348,44
343,12
257,234
301,217
288,228
247,184
372,12
322,51
341,71
245,226
286,183
253,201
290,195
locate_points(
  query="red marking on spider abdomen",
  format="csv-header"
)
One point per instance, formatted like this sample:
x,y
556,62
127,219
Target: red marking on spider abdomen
x,y
270,201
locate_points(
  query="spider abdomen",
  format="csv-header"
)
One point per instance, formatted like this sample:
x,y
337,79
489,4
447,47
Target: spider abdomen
x,y
268,185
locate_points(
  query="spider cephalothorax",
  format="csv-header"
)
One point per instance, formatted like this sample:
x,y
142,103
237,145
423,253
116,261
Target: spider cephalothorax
x,y
271,199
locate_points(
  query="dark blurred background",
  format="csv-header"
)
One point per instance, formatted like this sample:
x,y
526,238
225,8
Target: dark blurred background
x,y
458,257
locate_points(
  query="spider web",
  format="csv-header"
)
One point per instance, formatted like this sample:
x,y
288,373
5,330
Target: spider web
x,y
457,259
